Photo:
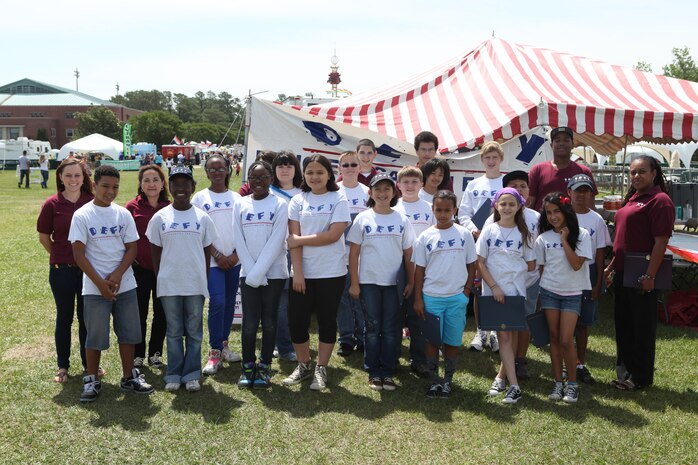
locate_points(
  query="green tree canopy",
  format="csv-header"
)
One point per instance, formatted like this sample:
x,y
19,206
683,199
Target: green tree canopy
x,y
643,66
201,132
683,66
158,127
145,100
100,120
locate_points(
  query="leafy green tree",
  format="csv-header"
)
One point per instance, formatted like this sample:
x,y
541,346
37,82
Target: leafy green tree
x,y
643,66
683,66
201,132
100,120
145,100
185,108
158,127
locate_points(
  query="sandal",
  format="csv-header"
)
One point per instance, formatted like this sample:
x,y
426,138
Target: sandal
x,y
61,376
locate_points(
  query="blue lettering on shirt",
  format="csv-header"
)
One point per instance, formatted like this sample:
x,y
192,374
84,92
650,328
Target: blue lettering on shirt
x,y
106,230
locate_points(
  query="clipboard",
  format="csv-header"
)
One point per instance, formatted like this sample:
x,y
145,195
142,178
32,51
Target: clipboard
x,y
509,316
482,213
431,328
538,325
636,265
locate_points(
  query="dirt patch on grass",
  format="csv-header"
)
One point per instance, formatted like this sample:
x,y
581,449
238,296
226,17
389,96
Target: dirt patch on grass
x,y
38,349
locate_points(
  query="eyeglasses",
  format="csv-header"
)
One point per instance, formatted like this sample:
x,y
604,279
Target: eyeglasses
x,y
217,170
258,178
349,165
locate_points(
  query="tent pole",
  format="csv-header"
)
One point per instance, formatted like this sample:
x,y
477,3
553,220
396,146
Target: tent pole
x,y
622,173
248,120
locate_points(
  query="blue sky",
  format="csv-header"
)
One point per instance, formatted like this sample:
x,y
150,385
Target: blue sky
x,y
284,46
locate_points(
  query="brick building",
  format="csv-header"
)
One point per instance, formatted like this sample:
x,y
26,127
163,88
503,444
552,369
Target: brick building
x,y
27,106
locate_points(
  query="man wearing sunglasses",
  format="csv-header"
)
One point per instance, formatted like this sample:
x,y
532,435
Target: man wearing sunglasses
x,y
366,153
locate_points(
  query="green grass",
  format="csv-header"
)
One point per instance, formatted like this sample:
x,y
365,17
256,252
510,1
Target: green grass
x,y
43,422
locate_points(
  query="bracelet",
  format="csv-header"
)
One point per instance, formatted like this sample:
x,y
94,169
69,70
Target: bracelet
x,y
492,286
644,277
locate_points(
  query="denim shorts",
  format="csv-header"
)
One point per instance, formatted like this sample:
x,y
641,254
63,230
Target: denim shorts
x,y
451,310
127,323
564,303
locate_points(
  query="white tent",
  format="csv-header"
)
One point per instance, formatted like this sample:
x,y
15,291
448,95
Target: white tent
x,y
96,143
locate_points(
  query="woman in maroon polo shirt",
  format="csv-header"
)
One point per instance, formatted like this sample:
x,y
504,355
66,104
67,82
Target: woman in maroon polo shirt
x,y
152,196
74,189
643,224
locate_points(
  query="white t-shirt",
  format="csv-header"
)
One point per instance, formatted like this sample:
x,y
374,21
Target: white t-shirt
x,y
532,218
476,192
505,253
596,226
426,196
357,198
419,213
382,238
285,194
219,206
444,253
182,236
558,275
260,230
316,213
104,231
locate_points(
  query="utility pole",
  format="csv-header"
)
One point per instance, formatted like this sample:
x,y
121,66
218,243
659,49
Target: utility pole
x,y
117,89
77,76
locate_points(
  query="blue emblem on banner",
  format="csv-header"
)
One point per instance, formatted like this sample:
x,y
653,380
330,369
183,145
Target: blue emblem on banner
x,y
322,133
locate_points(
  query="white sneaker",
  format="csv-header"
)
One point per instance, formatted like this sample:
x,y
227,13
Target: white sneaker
x,y
494,342
155,361
498,387
479,340
193,385
228,355
172,387
138,362
319,378
214,362
302,372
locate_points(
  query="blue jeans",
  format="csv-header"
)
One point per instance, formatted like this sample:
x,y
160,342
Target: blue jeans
x,y
66,285
350,319
414,323
283,334
382,335
184,318
222,289
260,304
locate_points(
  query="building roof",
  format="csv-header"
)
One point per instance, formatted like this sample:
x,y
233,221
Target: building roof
x,y
28,92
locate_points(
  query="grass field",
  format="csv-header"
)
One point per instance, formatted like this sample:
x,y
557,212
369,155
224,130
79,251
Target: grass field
x,y
43,422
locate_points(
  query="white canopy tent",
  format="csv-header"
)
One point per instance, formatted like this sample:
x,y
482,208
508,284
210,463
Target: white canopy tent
x,y
96,143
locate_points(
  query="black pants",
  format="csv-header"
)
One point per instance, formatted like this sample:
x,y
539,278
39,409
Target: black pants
x,y
636,318
260,304
146,281
321,297
66,285
23,174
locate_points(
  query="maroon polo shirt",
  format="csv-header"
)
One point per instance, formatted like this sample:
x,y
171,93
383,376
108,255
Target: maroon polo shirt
x,y
544,178
54,219
142,212
639,221
363,179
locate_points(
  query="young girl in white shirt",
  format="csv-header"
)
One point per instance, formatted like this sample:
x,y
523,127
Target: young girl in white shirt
x,y
437,176
505,254
217,201
316,221
562,248
380,239
260,225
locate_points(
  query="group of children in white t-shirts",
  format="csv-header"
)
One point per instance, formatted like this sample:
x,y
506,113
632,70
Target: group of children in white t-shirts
x,y
403,255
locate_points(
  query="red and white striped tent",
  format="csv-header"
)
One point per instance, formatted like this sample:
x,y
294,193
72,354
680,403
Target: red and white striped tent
x,y
500,90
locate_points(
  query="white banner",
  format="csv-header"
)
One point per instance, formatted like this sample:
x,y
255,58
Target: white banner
x,y
278,127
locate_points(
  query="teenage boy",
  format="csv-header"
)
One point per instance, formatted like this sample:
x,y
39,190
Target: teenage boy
x,y
477,192
442,253
552,176
426,144
519,181
365,153
421,217
350,317
580,189
104,246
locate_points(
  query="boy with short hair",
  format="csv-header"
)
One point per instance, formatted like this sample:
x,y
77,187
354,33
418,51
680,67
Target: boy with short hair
x,y
104,246
421,217
350,317
477,192
365,154
441,253
580,189
426,144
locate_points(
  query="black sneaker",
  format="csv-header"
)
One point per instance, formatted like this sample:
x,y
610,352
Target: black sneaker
x,y
513,395
421,370
584,375
446,390
136,383
345,350
90,389
435,390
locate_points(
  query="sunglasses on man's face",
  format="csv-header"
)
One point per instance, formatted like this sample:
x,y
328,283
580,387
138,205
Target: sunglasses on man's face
x,y
349,165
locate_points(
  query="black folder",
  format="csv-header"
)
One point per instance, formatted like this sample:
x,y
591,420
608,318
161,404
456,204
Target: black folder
x,y
509,316
482,214
636,265
431,328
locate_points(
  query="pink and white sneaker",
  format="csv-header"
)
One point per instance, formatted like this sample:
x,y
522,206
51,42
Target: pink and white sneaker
x,y
215,362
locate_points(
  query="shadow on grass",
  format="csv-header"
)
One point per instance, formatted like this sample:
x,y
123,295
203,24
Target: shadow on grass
x,y
657,399
213,406
113,406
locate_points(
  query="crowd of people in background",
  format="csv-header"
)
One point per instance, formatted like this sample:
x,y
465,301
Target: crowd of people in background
x,y
372,257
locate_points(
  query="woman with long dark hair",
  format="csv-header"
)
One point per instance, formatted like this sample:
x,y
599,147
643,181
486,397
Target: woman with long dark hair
x,y
644,224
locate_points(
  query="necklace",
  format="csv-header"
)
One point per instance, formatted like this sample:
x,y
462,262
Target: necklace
x,y
506,237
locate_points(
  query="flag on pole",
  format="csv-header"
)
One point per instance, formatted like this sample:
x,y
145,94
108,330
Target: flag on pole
x,y
176,140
